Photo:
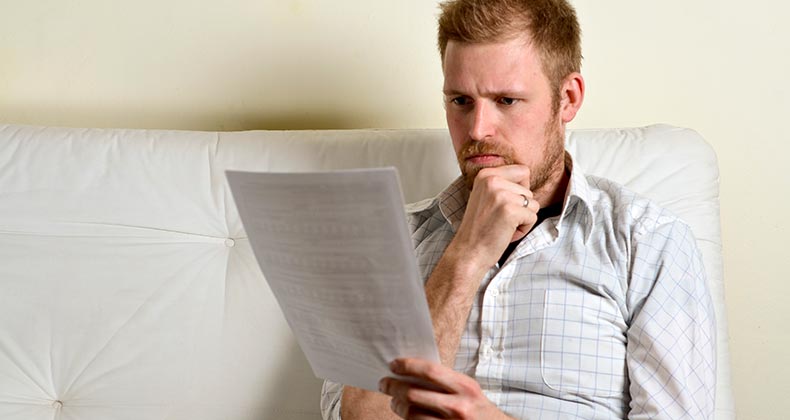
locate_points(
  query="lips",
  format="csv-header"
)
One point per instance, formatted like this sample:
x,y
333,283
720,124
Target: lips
x,y
484,159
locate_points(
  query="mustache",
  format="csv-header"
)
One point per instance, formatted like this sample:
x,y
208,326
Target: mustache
x,y
475,148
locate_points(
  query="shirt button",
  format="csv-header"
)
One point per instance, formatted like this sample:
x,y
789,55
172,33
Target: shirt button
x,y
494,292
230,243
486,352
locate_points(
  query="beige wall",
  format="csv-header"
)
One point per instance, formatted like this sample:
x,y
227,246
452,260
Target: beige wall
x,y
718,66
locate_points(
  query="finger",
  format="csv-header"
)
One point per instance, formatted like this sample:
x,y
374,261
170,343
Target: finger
x,y
519,174
527,204
417,413
433,373
407,394
501,179
527,217
410,412
526,199
532,205
497,189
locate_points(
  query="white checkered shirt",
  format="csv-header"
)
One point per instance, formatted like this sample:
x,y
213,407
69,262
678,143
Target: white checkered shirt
x,y
602,312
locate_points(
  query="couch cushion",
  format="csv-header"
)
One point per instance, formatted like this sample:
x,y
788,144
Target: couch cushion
x,y
130,290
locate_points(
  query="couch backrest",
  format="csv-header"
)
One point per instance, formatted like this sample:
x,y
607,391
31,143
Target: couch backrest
x,y
129,290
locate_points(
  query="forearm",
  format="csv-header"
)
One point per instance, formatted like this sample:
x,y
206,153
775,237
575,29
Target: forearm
x,y
450,291
359,404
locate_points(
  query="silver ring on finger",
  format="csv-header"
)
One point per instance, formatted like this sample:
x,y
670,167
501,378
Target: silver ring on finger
x,y
526,200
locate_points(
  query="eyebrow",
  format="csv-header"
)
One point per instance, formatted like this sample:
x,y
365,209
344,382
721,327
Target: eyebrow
x,y
499,94
452,92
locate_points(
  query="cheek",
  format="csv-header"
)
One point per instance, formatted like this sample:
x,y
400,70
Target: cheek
x,y
454,119
458,142
525,136
526,122
531,129
457,131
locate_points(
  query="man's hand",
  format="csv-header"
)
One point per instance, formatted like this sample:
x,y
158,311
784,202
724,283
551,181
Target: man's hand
x,y
453,395
495,214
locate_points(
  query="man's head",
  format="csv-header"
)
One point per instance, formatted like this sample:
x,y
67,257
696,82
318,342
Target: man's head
x,y
511,83
550,25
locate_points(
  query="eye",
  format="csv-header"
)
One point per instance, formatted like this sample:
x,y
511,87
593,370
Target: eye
x,y
460,100
507,101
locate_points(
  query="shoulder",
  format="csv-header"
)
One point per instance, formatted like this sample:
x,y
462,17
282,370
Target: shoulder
x,y
426,221
421,206
652,247
633,214
420,212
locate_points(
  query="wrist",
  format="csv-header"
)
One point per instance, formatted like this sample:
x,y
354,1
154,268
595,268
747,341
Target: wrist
x,y
466,262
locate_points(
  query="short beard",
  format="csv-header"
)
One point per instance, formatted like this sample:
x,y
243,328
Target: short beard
x,y
554,160
554,154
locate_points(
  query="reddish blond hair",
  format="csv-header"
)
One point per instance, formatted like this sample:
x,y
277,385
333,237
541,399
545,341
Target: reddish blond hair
x,y
550,25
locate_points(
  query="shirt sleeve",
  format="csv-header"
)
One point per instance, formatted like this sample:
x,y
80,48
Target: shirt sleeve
x,y
331,393
671,353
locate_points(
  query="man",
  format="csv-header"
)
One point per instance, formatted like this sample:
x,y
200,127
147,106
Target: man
x,y
554,295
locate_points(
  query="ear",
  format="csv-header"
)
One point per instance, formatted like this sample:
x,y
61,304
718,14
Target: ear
x,y
571,96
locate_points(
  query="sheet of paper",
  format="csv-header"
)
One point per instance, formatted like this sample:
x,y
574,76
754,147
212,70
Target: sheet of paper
x,y
336,251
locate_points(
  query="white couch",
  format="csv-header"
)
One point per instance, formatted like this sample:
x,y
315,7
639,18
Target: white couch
x,y
129,291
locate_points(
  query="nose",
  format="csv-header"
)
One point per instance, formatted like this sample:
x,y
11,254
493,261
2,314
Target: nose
x,y
482,122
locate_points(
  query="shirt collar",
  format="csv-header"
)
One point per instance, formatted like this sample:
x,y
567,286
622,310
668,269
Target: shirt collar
x,y
452,201
579,194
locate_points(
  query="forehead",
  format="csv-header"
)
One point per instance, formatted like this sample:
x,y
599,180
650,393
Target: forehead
x,y
495,66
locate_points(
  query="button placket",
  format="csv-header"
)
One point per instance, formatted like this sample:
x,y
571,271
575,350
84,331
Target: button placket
x,y
487,350
492,311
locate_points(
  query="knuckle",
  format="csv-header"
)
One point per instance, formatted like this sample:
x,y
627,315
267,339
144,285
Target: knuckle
x,y
489,181
511,213
462,410
533,218
432,371
411,396
470,388
500,201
